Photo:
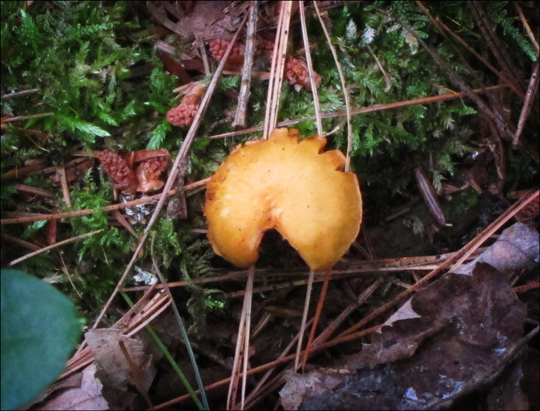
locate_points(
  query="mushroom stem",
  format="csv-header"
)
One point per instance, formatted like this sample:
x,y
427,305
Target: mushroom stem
x,y
317,315
243,337
304,320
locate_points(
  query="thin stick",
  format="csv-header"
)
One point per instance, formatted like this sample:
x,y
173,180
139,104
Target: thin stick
x,y
317,315
278,64
493,227
261,382
325,335
527,28
372,109
124,223
529,98
57,216
464,253
188,140
19,93
34,190
311,80
249,298
266,125
494,43
344,89
50,247
30,116
65,188
243,97
22,243
66,272
135,372
275,363
234,374
480,57
121,281
373,266
456,79
305,315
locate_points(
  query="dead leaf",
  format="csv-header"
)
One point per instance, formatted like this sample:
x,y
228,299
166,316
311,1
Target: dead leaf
x,y
297,384
506,393
516,249
113,368
87,396
455,336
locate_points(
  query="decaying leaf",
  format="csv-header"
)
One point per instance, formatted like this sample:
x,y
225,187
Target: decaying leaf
x,y
114,370
81,391
455,336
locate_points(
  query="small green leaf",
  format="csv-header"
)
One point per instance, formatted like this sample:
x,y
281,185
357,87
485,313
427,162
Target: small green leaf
x,y
92,129
39,331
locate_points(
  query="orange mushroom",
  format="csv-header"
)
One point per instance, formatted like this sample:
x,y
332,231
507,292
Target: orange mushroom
x,y
286,184
294,187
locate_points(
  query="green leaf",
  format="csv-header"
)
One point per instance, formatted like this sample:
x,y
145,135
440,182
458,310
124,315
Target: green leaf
x,y
39,331
91,129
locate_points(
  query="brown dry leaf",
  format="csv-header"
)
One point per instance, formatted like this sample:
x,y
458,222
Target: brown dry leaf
x,y
506,394
86,395
465,335
516,249
210,20
297,384
113,369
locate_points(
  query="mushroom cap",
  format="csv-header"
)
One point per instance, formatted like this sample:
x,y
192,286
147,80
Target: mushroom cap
x,y
288,185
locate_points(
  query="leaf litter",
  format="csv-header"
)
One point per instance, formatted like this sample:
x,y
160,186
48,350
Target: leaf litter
x,y
452,338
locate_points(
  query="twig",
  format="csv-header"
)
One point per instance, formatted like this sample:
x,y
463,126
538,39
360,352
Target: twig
x,y
50,247
318,312
122,278
527,287
464,253
325,335
135,372
236,361
343,87
374,266
494,43
493,227
188,140
527,28
387,78
28,117
19,93
122,220
303,324
275,363
204,55
499,74
423,100
34,190
276,72
66,272
249,298
261,382
456,79
243,97
57,216
316,104
65,188
22,243
529,98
